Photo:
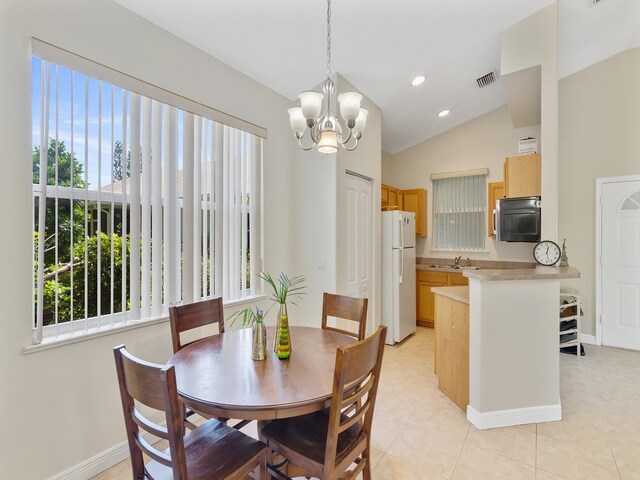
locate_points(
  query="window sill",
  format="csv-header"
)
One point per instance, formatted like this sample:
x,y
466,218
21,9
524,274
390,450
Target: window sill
x,y
81,336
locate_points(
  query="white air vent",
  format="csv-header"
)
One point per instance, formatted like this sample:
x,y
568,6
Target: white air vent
x,y
488,79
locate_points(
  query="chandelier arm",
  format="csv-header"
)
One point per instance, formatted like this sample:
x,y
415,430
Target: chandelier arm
x,y
306,149
314,133
344,141
351,149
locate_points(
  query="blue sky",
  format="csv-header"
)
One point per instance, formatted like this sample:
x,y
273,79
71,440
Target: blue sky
x,y
103,100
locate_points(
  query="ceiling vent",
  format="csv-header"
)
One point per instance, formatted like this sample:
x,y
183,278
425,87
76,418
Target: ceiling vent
x,y
593,3
488,79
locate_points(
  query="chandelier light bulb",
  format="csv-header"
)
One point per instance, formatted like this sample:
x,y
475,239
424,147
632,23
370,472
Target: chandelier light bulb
x,y
349,105
419,80
328,142
361,121
311,103
296,120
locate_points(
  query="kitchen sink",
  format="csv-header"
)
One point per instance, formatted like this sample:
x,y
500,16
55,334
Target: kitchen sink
x,y
454,267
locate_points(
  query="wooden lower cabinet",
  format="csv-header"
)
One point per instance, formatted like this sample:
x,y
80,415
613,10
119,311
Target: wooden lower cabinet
x,y
425,280
452,349
457,279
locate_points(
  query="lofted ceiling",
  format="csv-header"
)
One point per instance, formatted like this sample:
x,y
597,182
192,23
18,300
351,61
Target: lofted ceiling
x,y
380,46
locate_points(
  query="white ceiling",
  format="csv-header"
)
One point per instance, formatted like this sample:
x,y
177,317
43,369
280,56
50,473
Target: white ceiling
x,y
380,45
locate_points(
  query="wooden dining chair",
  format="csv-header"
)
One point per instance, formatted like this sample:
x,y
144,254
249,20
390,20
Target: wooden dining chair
x,y
193,315
212,450
348,308
327,443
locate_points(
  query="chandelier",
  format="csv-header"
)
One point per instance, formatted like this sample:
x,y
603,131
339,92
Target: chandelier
x,y
324,129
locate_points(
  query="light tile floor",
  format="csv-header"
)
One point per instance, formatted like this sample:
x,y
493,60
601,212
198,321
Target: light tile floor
x,y
418,433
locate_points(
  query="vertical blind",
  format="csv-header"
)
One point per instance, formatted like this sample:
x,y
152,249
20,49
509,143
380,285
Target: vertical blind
x,y
459,206
138,205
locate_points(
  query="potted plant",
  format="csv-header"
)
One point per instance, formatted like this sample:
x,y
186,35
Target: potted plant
x,y
284,290
253,316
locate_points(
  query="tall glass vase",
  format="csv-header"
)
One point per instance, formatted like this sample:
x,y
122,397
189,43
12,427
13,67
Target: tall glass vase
x,y
282,341
258,350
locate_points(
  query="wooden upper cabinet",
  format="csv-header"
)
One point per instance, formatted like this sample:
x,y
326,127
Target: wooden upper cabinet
x,y
415,201
496,191
384,195
393,197
522,176
400,198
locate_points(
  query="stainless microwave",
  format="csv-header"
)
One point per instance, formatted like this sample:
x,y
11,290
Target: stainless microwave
x,y
518,219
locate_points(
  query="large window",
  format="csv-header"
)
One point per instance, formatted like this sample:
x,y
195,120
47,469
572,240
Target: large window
x,y
459,206
138,204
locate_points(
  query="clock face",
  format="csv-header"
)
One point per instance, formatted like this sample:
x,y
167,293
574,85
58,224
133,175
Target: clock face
x,y
546,252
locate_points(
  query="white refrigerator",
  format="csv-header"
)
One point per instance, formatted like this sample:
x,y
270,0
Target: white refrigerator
x,y
398,274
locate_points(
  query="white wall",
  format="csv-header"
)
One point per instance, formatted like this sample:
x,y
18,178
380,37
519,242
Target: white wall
x,y
482,142
599,132
320,208
529,43
60,407
366,161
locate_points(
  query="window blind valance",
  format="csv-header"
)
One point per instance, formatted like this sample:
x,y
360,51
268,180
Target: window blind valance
x,y
465,173
76,62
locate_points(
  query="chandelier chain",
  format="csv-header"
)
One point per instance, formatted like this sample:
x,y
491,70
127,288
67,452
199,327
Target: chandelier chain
x,y
328,38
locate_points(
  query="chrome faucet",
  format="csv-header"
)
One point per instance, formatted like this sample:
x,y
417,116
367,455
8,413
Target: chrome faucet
x,y
456,261
468,262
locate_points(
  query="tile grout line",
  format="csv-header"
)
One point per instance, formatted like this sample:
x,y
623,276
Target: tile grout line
x,y
599,409
536,453
460,452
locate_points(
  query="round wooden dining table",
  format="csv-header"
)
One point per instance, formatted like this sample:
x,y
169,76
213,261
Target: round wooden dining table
x,y
217,376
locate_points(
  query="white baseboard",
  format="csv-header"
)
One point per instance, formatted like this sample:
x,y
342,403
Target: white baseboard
x,y
96,464
515,416
588,339
102,461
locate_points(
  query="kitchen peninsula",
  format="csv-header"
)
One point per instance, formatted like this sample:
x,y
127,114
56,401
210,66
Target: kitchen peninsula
x,y
513,358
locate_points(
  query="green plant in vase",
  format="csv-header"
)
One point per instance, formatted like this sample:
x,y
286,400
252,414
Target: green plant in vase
x,y
253,316
284,290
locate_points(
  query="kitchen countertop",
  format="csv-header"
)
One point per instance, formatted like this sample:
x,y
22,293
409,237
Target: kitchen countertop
x,y
459,293
537,273
431,268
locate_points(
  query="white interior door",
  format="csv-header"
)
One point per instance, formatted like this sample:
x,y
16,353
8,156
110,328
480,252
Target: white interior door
x,y
359,234
620,236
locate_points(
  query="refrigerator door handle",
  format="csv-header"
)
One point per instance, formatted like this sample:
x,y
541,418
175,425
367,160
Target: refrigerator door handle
x,y
401,265
495,224
401,231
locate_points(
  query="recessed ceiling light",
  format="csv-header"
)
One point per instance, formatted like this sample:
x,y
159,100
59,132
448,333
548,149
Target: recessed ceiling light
x,y
444,113
419,80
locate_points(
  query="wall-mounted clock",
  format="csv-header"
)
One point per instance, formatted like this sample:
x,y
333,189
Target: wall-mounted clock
x,y
546,253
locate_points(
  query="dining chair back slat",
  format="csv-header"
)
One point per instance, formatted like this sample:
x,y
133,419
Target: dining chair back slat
x,y
347,308
194,315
